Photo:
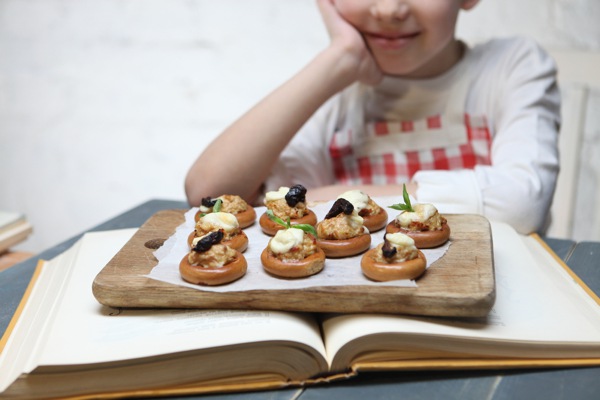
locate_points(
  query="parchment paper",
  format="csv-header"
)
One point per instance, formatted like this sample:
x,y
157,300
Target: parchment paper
x,y
337,272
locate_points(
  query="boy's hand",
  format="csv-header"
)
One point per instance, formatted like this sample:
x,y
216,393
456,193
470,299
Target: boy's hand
x,y
347,39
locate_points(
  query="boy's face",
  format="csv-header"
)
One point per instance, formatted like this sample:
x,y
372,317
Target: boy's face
x,y
410,38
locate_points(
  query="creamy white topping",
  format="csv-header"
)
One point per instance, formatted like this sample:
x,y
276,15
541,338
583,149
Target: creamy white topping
x,y
227,221
355,220
286,239
423,212
399,240
277,195
405,247
359,199
196,240
216,257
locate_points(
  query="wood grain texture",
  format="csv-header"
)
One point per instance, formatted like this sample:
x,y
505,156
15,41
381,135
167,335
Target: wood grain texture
x,y
460,284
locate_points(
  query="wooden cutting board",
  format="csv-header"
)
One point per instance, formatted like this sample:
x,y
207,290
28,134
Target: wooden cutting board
x,y
459,284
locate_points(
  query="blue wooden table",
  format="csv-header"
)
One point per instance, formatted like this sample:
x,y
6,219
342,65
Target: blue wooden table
x,y
565,383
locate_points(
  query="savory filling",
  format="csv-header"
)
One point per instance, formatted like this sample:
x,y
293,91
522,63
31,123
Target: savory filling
x,y
208,252
230,203
396,248
363,204
292,245
218,221
425,218
287,202
341,222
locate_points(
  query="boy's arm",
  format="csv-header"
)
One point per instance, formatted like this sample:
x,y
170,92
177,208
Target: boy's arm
x,y
239,160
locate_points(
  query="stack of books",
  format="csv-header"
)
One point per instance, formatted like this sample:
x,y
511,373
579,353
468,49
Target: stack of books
x,y
14,228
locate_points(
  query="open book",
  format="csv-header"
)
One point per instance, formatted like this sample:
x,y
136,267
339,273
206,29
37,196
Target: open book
x,y
64,343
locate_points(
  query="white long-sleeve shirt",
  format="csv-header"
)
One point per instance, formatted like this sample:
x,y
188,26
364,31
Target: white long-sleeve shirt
x,y
480,138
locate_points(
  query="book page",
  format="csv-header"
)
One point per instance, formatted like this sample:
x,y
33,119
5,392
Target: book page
x,y
84,331
535,304
23,340
562,275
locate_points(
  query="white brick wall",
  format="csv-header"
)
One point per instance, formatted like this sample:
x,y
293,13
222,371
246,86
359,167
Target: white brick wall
x,y
105,104
557,24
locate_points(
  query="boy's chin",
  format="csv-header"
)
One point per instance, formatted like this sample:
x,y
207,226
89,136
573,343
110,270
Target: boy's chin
x,y
396,72
400,70
406,72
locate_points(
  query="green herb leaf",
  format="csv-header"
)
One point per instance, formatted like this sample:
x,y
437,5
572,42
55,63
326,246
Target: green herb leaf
x,y
406,206
278,220
217,206
401,207
406,197
306,228
287,225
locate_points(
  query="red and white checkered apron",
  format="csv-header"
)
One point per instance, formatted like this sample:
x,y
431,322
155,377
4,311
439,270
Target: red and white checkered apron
x,y
389,152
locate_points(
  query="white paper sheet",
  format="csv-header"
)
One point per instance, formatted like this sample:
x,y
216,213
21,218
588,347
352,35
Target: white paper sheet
x,y
337,272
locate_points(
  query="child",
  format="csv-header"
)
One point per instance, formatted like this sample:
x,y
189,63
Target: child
x,y
395,99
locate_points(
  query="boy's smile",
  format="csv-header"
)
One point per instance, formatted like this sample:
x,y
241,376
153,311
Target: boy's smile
x,y
408,38
390,41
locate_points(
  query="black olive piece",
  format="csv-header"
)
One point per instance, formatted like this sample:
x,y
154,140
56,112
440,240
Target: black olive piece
x,y
208,202
341,205
387,249
296,194
207,241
